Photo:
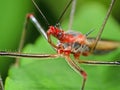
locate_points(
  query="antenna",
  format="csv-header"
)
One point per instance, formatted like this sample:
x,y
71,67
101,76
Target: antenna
x,y
89,32
65,9
41,13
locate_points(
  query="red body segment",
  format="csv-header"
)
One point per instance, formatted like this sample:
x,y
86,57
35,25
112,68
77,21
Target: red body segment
x,y
69,42
64,37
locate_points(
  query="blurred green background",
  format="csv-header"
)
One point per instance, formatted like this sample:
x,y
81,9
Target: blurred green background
x,y
12,18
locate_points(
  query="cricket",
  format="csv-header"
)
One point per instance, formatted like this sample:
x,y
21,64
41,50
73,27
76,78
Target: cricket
x,y
69,42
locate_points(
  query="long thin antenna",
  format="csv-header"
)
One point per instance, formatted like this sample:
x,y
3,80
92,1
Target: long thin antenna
x,y
41,13
72,14
103,25
89,32
64,11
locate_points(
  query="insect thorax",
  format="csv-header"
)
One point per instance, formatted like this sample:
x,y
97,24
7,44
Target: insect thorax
x,y
76,45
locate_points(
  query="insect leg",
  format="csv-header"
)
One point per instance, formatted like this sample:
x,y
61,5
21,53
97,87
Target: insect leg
x,y
72,14
115,63
27,55
103,25
22,40
78,69
37,25
1,84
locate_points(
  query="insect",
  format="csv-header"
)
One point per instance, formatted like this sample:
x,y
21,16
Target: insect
x,y
68,43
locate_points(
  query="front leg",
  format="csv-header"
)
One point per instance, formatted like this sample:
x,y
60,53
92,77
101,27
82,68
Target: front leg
x,y
29,17
49,39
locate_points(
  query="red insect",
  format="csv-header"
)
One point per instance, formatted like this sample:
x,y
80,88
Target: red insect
x,y
68,43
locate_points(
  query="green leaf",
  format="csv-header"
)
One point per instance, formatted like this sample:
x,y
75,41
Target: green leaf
x,y
55,74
